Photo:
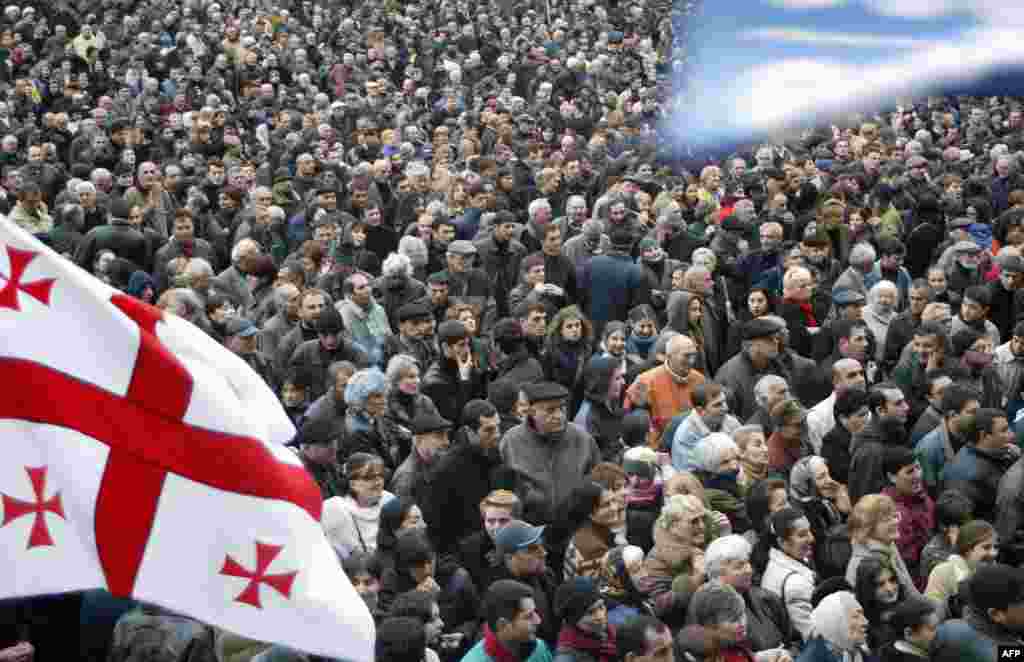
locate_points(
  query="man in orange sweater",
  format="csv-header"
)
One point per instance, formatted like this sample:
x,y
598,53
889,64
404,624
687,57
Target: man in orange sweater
x,y
665,391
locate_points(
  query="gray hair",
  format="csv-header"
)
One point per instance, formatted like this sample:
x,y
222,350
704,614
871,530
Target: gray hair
x,y
716,603
197,266
762,386
537,205
84,187
723,550
397,264
879,287
863,252
708,452
398,366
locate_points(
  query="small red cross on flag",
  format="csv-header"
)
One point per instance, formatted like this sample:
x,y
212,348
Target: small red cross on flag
x,y
16,508
265,555
161,455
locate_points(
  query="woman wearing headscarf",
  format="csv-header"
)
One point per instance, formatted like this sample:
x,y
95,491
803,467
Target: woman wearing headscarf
x,y
601,412
405,401
812,489
366,426
686,314
674,568
789,574
838,631
883,298
643,333
717,461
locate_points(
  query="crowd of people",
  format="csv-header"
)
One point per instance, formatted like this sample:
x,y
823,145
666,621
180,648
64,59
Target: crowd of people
x,y
564,398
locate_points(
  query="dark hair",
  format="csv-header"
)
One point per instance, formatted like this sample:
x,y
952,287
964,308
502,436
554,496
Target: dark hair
x,y
985,419
400,640
972,534
877,398
782,523
390,519
582,502
475,410
845,328
360,563
704,393
895,458
866,583
631,636
931,328
911,613
849,402
411,549
758,503
355,463
891,247
414,604
956,396
953,508
504,394
978,293
503,601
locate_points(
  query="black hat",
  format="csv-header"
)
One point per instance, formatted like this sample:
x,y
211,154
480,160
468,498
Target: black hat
x,y
541,391
329,322
429,421
759,328
416,310
451,331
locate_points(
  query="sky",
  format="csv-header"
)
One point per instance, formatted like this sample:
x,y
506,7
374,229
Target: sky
x,y
764,65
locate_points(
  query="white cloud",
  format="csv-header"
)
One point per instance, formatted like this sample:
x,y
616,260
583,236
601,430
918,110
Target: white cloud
x,y
803,91
797,35
806,4
782,91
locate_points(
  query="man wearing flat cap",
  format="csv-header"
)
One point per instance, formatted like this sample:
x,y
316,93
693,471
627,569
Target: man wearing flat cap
x,y
415,335
549,454
466,283
759,357
454,379
429,443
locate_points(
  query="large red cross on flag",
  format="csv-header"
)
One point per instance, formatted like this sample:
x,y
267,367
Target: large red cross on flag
x,y
144,458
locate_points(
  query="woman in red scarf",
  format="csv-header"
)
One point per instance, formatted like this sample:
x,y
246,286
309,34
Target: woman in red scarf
x,y
586,635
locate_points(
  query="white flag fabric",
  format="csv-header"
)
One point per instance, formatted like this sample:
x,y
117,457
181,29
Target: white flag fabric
x,y
144,458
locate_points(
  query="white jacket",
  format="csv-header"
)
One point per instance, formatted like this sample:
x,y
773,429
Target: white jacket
x,y
799,584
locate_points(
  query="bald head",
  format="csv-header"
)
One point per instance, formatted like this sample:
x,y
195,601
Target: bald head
x,y
847,373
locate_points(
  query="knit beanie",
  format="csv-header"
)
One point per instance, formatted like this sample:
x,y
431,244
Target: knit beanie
x,y
574,598
641,461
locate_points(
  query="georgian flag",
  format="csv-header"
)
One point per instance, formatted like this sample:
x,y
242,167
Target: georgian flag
x,y
142,457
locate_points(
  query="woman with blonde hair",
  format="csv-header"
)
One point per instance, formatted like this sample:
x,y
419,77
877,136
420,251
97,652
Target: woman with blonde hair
x,y
874,527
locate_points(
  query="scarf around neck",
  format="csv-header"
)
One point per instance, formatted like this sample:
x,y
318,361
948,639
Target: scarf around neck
x,y
571,638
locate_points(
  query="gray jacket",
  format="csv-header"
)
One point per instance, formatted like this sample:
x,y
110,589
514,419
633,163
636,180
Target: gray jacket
x,y
546,471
